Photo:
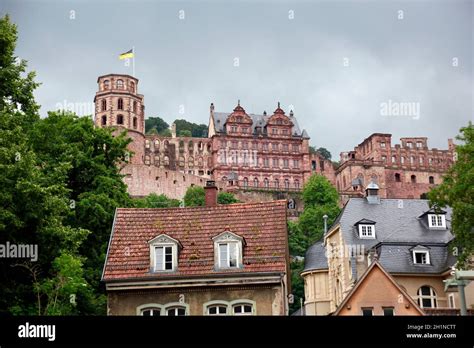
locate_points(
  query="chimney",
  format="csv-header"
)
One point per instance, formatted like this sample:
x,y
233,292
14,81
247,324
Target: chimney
x,y
211,193
372,193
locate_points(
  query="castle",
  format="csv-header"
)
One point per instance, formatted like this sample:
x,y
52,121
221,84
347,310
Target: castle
x,y
250,152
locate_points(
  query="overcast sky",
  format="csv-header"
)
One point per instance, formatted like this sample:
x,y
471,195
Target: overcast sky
x,y
335,62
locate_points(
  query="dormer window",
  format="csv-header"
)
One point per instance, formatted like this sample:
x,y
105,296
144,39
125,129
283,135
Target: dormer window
x,y
437,220
164,254
366,229
228,250
421,257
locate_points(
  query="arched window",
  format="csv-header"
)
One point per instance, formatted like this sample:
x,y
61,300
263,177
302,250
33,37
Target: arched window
x,y
402,160
106,84
255,182
431,180
119,119
287,184
246,182
166,161
132,86
266,183
413,179
427,297
191,162
181,161
120,104
157,144
157,161
176,311
119,84
104,120
104,104
150,311
191,146
397,177
297,184
134,106
166,145
412,159
135,123
200,162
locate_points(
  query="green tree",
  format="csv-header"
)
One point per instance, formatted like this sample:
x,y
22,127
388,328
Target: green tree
x,y
156,201
312,150
318,190
197,130
156,123
165,133
324,153
226,198
194,197
297,284
457,192
185,133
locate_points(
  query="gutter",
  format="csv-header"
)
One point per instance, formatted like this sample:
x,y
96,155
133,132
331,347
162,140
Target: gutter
x,y
108,246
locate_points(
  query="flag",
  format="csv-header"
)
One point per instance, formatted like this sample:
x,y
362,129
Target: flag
x,y
128,54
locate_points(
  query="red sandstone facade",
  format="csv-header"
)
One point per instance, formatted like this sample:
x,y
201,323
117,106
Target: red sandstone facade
x,y
259,152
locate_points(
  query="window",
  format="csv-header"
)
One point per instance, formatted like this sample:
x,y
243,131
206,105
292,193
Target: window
x,y
234,144
284,132
242,309
274,147
286,163
452,303
191,162
157,161
413,179
285,147
119,84
119,119
431,180
276,183
397,177
412,160
382,144
420,159
421,257
394,159
388,311
402,160
427,297
120,104
296,164
163,258
255,182
233,129
410,145
134,106
297,184
245,130
366,231
436,220
245,145
104,104
419,144
217,310
274,131
430,161
287,184
296,148
132,86
266,162
106,84
228,255
181,161
275,163
135,123
246,182
266,183
176,311
104,120
384,158
166,161
150,312
367,312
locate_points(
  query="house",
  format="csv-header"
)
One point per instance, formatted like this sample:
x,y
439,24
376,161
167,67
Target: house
x,y
211,260
410,240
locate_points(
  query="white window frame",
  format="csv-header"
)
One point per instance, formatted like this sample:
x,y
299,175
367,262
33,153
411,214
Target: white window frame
x,y
228,237
210,304
228,245
369,230
427,257
451,301
164,241
236,303
432,297
147,306
164,247
439,219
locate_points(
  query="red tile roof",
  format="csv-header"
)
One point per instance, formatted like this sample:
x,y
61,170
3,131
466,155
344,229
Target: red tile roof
x,y
262,225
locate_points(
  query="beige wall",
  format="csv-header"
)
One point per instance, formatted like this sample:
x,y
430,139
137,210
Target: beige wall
x,y
412,283
268,299
316,291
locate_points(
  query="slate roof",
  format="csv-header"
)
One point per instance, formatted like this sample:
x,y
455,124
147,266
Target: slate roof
x,y
315,258
262,225
258,120
398,229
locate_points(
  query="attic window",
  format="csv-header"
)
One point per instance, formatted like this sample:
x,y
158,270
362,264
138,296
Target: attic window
x,y
436,220
163,254
228,250
366,231
421,257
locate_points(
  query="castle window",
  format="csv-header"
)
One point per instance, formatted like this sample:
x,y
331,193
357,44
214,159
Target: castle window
x,y
240,119
104,120
191,146
421,257
106,84
147,160
119,119
421,160
413,179
245,145
279,121
286,163
296,163
191,162
166,161
132,86
275,163
119,84
276,183
384,158
394,159
274,147
366,231
430,161
388,311
228,250
255,182
147,144
255,146
135,123
246,182
431,180
181,161
104,104
297,184
285,147
245,130
266,183
234,144
412,160
134,106
274,131
367,312
266,162
120,104
402,160
265,147
410,145
296,148
419,144
436,220
233,129
287,184
157,161
200,162
382,144
157,144
427,297
397,177
313,165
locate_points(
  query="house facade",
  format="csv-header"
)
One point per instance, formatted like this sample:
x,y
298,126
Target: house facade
x,y
410,241
211,260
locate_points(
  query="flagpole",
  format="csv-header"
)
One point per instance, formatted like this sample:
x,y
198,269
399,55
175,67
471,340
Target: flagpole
x,y
133,50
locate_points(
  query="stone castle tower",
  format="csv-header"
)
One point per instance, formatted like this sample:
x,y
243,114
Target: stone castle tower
x,y
117,104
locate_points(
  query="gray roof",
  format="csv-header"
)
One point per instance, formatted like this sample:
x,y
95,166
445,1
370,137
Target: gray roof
x,y
398,229
258,120
315,258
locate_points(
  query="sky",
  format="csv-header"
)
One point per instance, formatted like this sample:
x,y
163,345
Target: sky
x,y
347,68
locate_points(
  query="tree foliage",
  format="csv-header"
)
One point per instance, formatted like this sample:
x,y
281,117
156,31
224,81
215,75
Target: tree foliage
x,y
197,130
457,192
156,201
196,197
324,153
157,124
226,198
